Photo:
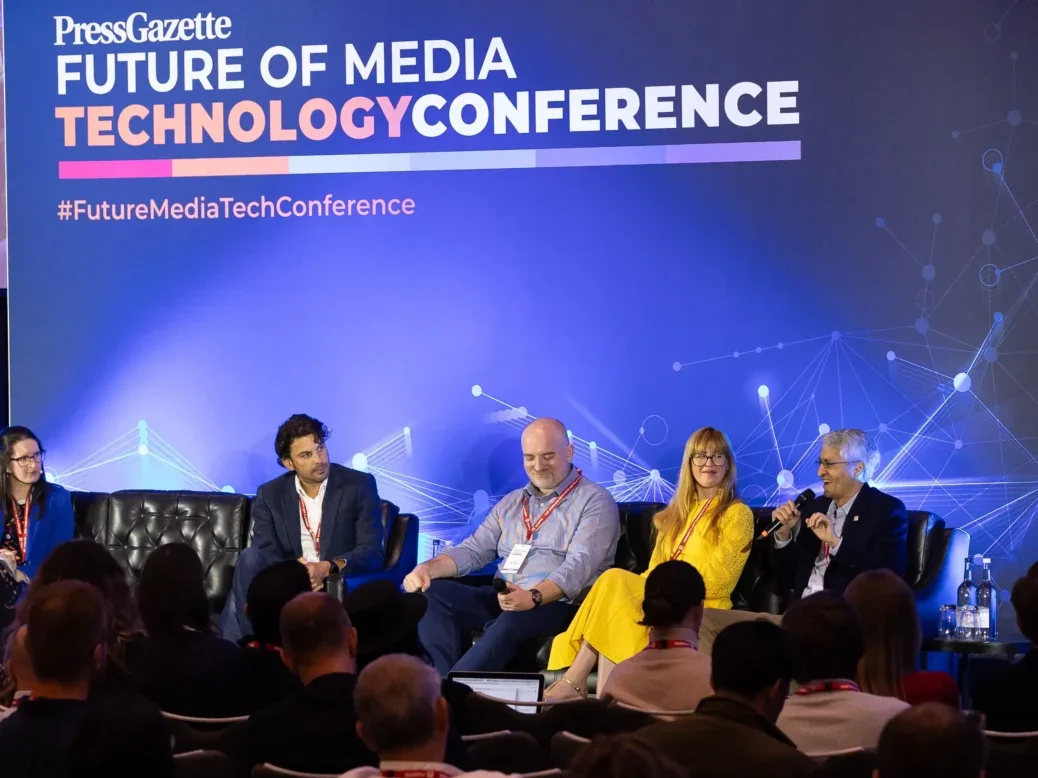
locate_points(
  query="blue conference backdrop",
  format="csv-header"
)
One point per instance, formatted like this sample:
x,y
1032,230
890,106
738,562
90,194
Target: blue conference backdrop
x,y
428,222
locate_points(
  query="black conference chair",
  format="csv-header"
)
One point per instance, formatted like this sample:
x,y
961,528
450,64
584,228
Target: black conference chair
x,y
203,764
270,771
506,752
564,748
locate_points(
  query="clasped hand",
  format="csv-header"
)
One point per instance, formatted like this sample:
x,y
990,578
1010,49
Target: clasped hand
x,y
515,599
822,526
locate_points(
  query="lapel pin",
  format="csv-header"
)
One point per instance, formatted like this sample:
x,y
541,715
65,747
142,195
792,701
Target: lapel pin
x,y
855,518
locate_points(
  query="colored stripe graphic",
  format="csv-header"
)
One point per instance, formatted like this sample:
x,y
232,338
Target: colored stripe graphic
x,y
605,156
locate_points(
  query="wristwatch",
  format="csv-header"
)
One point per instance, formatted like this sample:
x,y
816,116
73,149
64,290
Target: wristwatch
x,y
334,567
537,597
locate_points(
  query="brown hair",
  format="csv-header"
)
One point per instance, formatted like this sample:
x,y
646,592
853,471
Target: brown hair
x,y
65,624
672,518
623,756
887,609
313,624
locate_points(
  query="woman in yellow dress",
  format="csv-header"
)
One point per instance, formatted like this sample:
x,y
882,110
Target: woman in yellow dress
x,y
705,524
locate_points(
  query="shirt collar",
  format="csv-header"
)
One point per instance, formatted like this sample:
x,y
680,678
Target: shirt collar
x,y
533,491
438,767
846,509
320,491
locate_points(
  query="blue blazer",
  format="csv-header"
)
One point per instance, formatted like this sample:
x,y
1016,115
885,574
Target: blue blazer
x,y
351,520
55,526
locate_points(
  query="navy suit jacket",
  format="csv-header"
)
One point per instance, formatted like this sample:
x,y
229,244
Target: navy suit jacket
x,y
875,536
351,520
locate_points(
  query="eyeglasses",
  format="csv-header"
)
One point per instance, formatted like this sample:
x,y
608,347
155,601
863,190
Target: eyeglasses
x,y
24,461
825,464
701,459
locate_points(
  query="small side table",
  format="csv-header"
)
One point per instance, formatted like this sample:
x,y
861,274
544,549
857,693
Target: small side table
x,y
964,649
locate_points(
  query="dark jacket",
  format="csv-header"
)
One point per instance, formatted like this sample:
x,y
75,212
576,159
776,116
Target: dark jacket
x,y
313,731
875,536
35,739
169,672
726,738
250,679
1006,694
351,520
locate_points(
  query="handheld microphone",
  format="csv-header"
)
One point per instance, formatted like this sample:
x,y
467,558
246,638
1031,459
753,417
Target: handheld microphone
x,y
799,503
500,586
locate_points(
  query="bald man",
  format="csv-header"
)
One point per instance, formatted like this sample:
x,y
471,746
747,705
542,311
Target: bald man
x,y
555,536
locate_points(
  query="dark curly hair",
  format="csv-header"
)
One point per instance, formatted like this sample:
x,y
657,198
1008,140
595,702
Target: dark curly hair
x,y
623,756
299,425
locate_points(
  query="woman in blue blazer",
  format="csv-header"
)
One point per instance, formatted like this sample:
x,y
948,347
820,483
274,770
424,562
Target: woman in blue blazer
x,y
37,514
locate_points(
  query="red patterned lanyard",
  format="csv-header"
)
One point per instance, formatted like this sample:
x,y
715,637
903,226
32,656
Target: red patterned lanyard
x,y
532,528
264,646
415,774
665,644
688,533
827,686
315,535
21,527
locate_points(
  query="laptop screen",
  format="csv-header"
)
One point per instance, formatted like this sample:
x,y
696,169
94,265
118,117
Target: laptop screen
x,y
507,687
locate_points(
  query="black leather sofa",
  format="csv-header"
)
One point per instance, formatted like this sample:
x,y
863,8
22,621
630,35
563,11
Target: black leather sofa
x,y
131,524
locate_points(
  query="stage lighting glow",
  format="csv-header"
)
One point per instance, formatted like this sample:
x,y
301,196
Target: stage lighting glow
x,y
823,429
142,450
785,479
654,474
477,390
360,462
763,391
962,382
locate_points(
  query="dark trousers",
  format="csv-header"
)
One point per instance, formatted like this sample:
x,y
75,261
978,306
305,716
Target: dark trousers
x,y
455,609
234,624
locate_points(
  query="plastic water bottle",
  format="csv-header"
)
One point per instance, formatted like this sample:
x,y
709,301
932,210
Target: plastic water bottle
x,y
966,594
987,606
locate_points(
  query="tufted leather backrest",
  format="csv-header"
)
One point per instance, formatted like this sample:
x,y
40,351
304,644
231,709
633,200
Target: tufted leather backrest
x,y
634,549
91,514
925,531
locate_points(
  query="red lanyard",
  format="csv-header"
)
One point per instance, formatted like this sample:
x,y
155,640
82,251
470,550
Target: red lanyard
x,y
532,528
827,686
306,523
688,533
264,646
414,773
21,527
664,644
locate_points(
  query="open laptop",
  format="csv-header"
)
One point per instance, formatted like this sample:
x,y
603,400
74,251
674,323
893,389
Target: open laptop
x,y
507,687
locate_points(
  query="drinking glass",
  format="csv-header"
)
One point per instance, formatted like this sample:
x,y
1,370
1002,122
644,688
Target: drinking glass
x,y
946,623
968,623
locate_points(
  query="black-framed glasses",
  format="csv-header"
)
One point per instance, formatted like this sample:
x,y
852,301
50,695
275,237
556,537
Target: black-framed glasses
x,y
720,458
826,464
24,461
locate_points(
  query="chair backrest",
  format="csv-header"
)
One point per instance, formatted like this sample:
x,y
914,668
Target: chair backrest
x,y
552,773
203,764
822,756
655,712
1010,735
564,748
202,722
228,736
506,752
270,771
634,548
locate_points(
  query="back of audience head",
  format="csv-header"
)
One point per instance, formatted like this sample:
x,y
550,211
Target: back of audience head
x,y
401,712
674,594
270,591
622,756
890,626
1025,603
172,592
65,636
826,636
20,677
122,736
317,637
931,739
84,560
753,661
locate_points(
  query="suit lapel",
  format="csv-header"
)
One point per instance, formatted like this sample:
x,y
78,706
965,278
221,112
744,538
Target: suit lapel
x,y
290,520
330,512
856,525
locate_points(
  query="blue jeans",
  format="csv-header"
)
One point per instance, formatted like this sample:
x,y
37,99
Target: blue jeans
x,y
455,609
234,624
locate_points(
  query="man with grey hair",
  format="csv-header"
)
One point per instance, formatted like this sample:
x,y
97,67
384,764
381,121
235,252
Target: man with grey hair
x,y
555,536
854,527
403,718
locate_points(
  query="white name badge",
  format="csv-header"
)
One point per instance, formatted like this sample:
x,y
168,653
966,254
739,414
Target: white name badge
x,y
516,558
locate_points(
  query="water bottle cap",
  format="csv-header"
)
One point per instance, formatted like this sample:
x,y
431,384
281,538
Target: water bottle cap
x,y
977,556
987,560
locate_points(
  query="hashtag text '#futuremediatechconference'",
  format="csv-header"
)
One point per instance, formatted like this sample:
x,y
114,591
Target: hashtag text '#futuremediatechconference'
x,y
200,207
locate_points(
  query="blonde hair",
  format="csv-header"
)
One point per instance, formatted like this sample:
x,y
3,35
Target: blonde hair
x,y
668,521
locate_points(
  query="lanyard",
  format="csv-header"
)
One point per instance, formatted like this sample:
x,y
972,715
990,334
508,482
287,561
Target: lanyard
x,y
21,527
688,533
264,646
664,644
827,686
532,528
414,774
315,536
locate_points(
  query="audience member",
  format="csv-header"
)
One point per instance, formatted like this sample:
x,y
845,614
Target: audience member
x,y
1008,692
622,756
403,718
556,536
90,562
669,674
313,730
890,624
20,677
181,645
255,676
65,638
829,712
122,736
733,733
931,739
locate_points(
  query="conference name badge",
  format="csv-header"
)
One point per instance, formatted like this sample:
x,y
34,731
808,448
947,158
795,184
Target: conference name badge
x,y
515,559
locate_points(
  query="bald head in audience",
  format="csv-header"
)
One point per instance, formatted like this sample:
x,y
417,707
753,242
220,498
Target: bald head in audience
x,y
931,739
401,713
317,637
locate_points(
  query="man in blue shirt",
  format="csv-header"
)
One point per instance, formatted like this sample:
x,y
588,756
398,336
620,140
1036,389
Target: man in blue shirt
x,y
555,536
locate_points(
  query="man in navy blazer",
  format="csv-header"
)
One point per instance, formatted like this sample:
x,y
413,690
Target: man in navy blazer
x,y
853,528
326,516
